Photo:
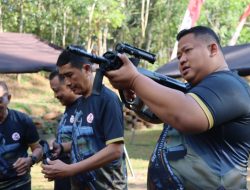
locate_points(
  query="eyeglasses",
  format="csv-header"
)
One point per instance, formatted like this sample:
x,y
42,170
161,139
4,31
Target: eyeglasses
x,y
4,98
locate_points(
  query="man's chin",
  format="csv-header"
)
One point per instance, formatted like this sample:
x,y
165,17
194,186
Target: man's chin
x,y
63,103
187,75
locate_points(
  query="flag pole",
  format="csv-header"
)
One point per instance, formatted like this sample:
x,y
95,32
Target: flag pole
x,y
191,16
242,22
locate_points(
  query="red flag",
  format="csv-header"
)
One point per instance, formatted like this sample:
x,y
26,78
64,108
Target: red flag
x,y
191,16
246,13
194,8
240,26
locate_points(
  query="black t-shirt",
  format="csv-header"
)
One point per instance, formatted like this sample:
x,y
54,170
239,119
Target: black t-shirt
x,y
64,129
225,98
99,122
16,133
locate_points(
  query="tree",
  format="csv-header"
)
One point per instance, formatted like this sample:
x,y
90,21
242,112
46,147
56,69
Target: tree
x,y
100,24
1,19
223,17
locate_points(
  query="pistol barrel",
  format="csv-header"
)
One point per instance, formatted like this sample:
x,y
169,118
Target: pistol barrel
x,y
93,58
138,53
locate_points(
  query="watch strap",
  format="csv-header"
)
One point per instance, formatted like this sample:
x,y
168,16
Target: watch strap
x,y
33,159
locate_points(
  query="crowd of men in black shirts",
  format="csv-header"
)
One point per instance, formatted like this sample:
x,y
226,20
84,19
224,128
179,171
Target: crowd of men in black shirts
x,y
210,122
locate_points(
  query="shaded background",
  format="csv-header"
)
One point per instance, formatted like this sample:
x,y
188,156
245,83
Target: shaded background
x,y
237,57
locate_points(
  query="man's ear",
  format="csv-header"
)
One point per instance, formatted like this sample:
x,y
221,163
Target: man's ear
x,y
9,97
213,48
87,67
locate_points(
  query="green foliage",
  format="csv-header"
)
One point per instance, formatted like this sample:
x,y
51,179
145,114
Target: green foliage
x,y
49,127
103,23
223,17
139,153
144,142
21,107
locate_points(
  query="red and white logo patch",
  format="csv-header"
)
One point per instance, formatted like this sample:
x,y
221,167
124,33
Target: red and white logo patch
x,y
90,118
15,136
72,119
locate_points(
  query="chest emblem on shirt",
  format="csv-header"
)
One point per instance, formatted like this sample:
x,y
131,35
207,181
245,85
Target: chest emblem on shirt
x,y
15,136
72,119
90,118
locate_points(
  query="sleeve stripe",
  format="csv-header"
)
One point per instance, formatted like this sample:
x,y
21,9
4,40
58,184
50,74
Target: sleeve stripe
x,y
115,140
204,108
37,142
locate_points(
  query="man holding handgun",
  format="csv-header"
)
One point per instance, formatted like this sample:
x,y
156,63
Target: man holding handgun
x,y
97,133
213,116
64,130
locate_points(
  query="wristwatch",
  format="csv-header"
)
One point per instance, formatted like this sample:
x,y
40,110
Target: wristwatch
x,y
33,159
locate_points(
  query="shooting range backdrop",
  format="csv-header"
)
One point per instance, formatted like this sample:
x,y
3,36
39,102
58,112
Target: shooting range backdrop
x,y
26,53
237,57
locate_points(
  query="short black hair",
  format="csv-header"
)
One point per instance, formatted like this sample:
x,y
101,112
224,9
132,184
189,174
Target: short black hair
x,y
54,74
67,57
200,31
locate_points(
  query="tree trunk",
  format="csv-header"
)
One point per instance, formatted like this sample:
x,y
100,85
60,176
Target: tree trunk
x,y
53,33
38,18
64,29
89,38
105,36
77,32
144,19
1,18
100,42
21,17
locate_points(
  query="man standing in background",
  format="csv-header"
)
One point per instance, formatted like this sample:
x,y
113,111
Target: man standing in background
x,y
17,134
64,130
97,134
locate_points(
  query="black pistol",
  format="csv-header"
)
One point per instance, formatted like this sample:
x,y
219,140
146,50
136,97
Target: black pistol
x,y
47,153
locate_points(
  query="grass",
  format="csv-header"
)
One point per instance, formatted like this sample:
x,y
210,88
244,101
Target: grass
x,y
139,151
38,182
31,94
